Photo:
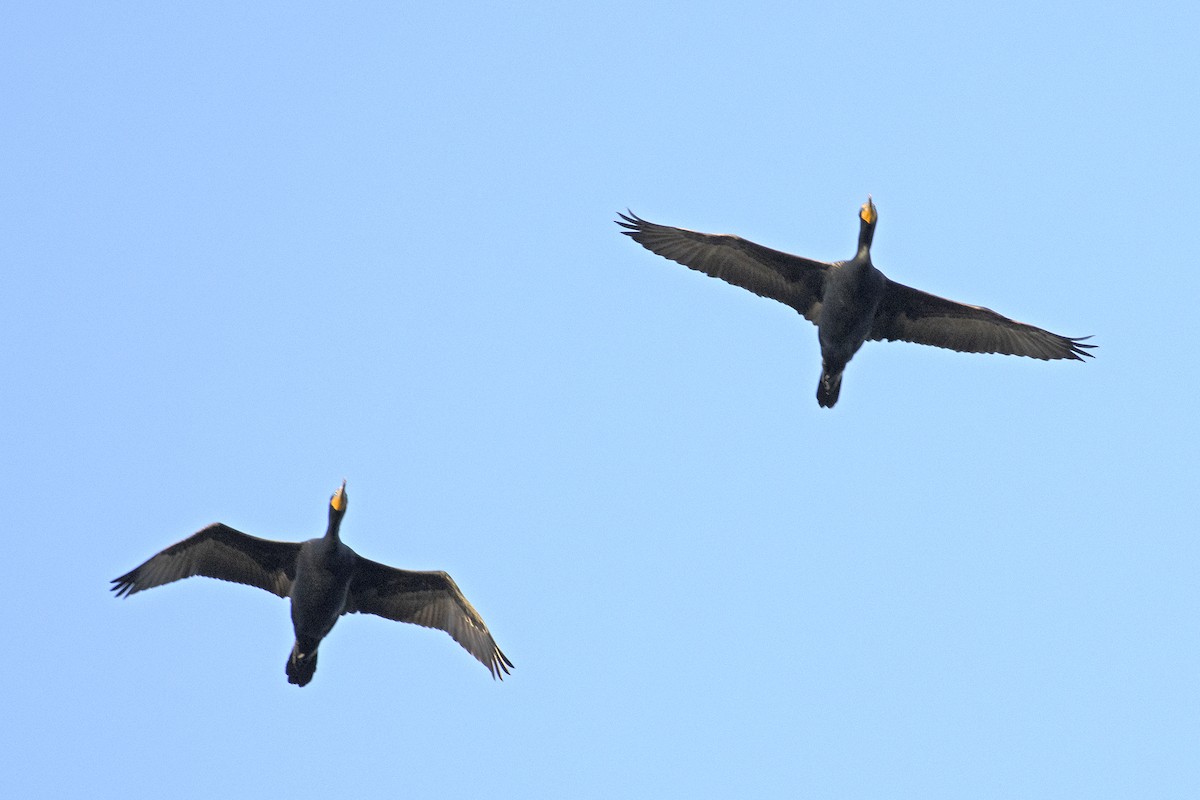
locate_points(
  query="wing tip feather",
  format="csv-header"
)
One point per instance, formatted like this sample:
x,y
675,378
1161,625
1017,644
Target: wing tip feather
x,y
124,585
632,222
499,666
1079,348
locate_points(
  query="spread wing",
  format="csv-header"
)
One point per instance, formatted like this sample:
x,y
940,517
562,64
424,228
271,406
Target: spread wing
x,y
792,280
431,599
911,315
218,551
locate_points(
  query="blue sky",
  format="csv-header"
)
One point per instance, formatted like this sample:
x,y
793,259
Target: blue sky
x,y
252,249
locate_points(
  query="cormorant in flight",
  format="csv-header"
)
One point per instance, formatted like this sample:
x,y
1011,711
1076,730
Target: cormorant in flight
x,y
850,301
324,579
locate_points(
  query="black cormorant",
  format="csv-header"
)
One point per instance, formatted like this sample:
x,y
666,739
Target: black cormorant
x,y
850,301
324,579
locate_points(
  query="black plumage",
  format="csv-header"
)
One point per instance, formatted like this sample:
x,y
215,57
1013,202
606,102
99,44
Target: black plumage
x,y
850,301
324,579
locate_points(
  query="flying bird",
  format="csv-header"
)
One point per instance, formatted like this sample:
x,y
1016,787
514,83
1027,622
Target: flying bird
x,y
850,301
324,579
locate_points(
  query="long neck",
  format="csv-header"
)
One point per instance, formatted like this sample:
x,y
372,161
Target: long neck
x,y
866,232
335,525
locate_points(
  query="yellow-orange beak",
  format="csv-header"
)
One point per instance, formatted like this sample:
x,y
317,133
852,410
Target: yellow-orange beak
x,y
338,501
868,213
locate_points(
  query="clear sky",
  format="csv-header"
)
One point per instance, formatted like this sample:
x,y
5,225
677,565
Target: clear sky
x,y
250,249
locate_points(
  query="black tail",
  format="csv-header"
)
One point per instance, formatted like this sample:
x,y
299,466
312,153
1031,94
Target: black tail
x,y
301,666
829,388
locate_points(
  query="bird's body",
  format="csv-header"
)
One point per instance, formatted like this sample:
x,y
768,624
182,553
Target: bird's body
x,y
849,301
324,579
853,290
324,568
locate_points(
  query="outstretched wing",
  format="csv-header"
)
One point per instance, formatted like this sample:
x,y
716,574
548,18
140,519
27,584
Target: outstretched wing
x,y
792,280
911,315
431,599
218,551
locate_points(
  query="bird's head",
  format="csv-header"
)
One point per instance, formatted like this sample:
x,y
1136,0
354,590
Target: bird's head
x,y
337,503
867,213
867,216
